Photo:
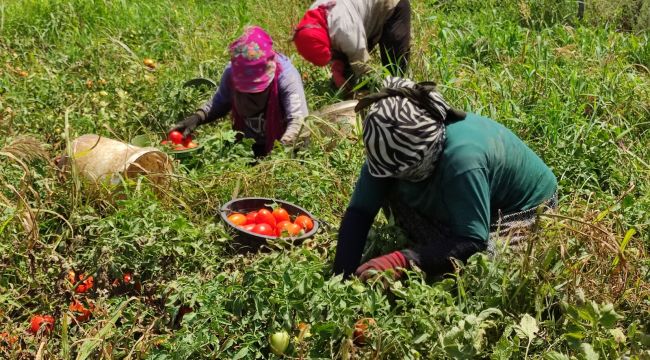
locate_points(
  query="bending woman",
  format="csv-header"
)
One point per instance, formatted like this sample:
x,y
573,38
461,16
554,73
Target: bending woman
x,y
453,181
343,32
262,90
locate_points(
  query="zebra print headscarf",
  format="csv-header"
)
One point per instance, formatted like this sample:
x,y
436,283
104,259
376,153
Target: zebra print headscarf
x,y
404,132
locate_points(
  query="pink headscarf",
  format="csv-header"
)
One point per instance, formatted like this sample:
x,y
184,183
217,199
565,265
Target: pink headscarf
x,y
253,60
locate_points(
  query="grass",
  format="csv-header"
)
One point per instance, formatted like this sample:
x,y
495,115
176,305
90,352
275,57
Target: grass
x,y
577,92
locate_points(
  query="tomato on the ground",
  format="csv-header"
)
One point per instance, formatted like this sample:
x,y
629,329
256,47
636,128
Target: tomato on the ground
x,y
150,63
279,342
361,330
38,321
85,283
80,311
7,338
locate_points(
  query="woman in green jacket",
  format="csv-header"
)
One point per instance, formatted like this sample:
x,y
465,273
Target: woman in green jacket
x,y
453,181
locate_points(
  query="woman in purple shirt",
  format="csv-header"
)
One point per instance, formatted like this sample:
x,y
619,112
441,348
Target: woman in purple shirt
x,y
262,90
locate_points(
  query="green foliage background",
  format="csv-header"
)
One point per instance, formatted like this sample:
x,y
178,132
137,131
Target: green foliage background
x,y
577,91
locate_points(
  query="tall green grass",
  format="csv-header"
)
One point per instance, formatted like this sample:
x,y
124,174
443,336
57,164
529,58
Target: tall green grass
x,y
577,91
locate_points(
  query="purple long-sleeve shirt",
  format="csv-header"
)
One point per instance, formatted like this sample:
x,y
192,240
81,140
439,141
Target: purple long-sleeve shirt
x,y
291,93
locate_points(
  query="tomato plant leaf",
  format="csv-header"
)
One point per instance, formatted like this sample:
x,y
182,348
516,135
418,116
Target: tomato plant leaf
x,y
554,355
589,352
528,327
241,353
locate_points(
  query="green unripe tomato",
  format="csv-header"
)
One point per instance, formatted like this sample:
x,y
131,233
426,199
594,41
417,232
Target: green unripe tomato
x,y
279,342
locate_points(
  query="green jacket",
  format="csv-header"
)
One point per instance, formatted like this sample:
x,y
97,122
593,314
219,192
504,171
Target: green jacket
x,y
485,170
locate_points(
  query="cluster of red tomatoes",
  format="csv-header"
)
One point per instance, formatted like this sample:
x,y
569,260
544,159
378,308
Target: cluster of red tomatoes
x,y
82,284
275,223
177,141
82,309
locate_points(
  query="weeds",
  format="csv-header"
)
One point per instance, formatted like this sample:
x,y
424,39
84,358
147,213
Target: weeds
x,y
575,90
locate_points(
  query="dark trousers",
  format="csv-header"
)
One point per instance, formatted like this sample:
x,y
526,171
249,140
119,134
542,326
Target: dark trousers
x,y
432,244
395,41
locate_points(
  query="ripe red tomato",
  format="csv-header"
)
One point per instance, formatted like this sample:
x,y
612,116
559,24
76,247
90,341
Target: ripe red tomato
x,y
237,219
294,229
86,283
176,137
265,217
250,217
38,321
361,330
7,339
281,225
280,214
128,277
81,312
187,141
288,228
248,227
264,229
305,222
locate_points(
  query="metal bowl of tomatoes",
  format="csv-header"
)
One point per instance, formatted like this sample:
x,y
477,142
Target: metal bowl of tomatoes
x,y
256,221
186,148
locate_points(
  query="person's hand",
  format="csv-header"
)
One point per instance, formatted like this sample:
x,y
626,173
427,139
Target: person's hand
x,y
188,125
294,131
338,73
393,261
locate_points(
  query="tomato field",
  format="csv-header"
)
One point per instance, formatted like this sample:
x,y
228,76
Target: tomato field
x,y
139,271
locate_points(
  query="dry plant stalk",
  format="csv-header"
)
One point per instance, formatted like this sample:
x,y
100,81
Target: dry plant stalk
x,y
592,268
26,148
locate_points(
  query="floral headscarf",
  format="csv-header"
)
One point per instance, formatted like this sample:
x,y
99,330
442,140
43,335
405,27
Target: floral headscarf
x,y
253,60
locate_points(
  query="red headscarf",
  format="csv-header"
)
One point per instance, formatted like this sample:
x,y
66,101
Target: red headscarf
x,y
312,37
